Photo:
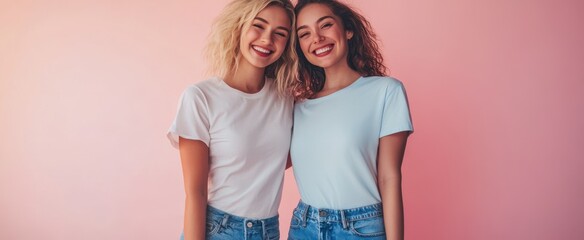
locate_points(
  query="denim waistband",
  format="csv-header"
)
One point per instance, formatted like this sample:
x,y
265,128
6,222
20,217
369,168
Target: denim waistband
x,y
240,222
343,215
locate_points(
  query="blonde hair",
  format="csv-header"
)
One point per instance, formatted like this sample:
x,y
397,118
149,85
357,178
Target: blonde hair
x,y
222,51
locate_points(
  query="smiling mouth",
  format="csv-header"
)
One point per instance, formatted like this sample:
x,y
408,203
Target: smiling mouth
x,y
323,50
262,51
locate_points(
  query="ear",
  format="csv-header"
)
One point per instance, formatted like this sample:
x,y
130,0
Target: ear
x,y
349,34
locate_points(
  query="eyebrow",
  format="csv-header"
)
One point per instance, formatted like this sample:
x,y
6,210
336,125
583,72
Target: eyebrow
x,y
317,21
266,22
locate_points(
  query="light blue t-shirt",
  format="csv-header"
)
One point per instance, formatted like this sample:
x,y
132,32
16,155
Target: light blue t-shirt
x,y
335,140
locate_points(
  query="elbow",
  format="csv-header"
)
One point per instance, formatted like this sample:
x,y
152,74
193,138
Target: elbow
x,y
196,194
387,180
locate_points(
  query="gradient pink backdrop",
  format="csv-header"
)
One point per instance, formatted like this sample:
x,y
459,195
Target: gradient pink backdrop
x,y
88,89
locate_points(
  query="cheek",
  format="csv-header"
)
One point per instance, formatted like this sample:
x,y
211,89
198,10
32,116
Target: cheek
x,y
304,46
250,35
281,43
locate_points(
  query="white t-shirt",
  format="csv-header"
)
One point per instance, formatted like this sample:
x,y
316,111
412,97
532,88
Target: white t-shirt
x,y
248,137
335,141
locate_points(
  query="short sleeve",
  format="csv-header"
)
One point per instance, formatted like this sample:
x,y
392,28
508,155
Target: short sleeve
x,y
396,112
192,120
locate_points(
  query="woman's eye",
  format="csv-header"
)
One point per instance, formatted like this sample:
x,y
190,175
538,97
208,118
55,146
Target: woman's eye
x,y
281,34
258,26
326,25
302,35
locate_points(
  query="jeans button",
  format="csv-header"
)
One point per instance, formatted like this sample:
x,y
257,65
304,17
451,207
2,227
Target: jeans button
x,y
322,213
249,224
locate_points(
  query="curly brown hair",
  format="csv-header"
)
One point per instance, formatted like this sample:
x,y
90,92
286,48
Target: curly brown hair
x,y
364,56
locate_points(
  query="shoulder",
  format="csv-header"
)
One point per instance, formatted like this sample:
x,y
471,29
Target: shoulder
x,y
202,88
272,87
388,82
206,85
270,83
383,84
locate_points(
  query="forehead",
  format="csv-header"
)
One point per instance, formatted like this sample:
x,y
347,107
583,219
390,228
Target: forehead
x,y
276,15
312,12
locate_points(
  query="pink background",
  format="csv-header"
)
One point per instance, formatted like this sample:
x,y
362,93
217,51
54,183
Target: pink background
x,y
87,91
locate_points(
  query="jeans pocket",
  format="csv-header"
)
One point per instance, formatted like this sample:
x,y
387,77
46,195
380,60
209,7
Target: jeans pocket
x,y
370,227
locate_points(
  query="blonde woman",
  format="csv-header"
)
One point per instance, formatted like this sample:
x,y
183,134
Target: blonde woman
x,y
233,131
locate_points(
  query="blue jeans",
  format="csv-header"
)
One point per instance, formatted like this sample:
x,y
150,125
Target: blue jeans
x,y
357,223
224,226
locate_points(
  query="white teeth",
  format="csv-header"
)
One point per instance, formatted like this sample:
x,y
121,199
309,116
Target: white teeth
x,y
263,50
324,49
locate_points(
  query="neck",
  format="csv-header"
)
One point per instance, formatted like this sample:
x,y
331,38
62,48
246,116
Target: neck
x,y
338,77
246,78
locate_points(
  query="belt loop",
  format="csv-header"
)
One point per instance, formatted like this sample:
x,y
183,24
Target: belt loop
x,y
304,214
224,221
344,219
245,228
265,233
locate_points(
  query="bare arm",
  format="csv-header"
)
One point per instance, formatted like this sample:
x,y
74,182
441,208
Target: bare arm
x,y
194,155
389,161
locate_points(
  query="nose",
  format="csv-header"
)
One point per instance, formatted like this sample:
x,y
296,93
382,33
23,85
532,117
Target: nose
x,y
266,37
317,38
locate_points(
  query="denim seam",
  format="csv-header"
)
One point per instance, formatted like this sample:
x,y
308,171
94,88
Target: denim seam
x,y
365,216
354,231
